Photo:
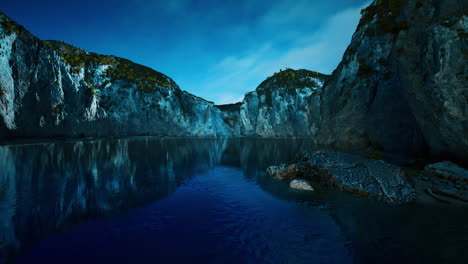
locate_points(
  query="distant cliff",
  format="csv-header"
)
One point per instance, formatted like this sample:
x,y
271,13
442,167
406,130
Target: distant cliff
x,y
52,89
284,105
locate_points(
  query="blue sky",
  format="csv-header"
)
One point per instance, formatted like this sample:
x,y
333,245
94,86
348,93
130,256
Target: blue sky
x,y
215,49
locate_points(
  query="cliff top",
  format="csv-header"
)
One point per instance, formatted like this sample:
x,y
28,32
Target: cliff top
x,y
230,107
120,69
290,78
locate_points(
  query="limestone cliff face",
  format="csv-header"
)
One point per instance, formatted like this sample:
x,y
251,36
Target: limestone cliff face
x,y
284,105
50,88
402,83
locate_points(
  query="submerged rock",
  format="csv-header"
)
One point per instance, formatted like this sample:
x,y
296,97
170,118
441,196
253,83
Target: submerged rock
x,y
445,181
300,184
353,174
448,171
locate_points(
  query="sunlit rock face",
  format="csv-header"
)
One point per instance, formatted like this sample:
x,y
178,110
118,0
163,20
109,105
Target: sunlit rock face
x,y
284,105
50,88
402,82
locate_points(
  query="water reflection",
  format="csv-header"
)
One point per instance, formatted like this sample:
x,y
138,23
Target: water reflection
x,y
47,188
219,184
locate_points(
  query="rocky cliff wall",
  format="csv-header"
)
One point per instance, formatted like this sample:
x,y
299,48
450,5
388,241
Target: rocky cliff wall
x,y
50,89
402,83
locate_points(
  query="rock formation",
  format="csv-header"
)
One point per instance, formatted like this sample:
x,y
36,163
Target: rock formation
x,y
284,105
402,83
349,173
53,89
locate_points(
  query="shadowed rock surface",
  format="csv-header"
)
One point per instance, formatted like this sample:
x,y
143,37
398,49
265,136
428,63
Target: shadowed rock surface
x,y
402,83
351,173
446,182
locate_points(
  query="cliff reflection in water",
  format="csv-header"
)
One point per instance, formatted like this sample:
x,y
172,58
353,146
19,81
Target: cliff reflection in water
x,y
47,188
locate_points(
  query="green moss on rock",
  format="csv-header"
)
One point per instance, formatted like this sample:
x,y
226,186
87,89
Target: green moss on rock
x,y
385,13
293,79
231,121
145,78
364,70
58,109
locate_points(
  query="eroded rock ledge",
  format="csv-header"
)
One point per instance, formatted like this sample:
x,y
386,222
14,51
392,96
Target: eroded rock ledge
x,y
350,173
442,182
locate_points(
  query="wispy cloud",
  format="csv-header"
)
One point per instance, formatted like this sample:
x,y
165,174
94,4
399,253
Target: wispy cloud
x,y
320,50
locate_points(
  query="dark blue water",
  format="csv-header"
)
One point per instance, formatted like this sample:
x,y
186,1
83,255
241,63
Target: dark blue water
x,y
200,201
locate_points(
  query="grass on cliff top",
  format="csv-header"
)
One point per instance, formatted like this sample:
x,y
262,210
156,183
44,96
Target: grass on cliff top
x,y
386,13
145,78
290,78
9,25
230,107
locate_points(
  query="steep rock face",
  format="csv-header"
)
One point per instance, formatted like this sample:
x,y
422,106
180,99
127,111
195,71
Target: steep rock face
x,y
231,116
284,105
402,82
50,88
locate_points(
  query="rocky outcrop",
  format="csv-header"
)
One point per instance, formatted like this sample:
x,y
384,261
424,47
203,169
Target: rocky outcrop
x,y
52,89
351,173
284,105
445,182
402,82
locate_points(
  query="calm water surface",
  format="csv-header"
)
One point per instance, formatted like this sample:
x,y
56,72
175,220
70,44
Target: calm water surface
x,y
200,201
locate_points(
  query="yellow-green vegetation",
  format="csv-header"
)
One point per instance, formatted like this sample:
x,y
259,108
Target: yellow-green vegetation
x,y
386,13
462,34
58,109
364,70
145,78
346,99
375,155
9,26
92,90
2,92
290,80
231,121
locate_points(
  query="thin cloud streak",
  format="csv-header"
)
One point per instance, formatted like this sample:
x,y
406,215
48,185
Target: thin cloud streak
x,y
320,51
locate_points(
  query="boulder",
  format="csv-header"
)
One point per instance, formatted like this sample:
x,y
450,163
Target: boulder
x,y
300,184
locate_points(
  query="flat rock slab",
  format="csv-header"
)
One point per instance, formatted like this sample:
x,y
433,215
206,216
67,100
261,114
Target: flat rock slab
x,y
353,174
